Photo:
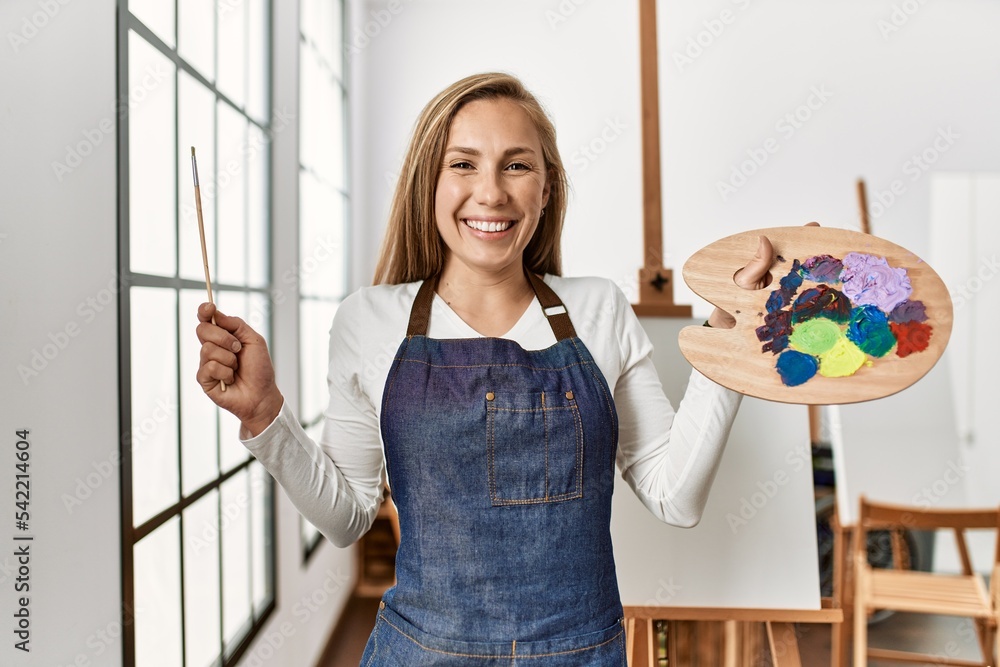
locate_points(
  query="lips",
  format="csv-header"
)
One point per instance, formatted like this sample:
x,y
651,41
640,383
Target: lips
x,y
489,225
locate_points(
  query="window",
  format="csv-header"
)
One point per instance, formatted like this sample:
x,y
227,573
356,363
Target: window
x,y
323,204
197,509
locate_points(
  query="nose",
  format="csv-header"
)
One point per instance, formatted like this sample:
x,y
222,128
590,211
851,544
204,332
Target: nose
x,y
490,190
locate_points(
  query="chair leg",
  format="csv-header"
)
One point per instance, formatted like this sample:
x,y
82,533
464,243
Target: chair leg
x,y
860,631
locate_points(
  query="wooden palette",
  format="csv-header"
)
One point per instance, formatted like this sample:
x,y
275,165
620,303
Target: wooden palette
x,y
733,357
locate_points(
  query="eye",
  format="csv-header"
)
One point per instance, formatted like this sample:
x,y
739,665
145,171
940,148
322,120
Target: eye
x,y
461,164
520,166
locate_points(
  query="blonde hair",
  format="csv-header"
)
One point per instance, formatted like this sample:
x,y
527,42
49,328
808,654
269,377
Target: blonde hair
x,y
412,248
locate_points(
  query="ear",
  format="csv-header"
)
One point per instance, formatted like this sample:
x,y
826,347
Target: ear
x,y
547,189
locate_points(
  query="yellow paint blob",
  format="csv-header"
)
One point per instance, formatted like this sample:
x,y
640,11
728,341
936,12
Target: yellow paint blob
x,y
815,336
843,359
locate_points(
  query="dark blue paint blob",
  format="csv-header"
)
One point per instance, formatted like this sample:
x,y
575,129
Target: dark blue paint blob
x,y
869,330
776,328
822,269
796,367
821,301
788,286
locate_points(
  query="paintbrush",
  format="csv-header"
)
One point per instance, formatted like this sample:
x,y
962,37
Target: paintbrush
x,y
201,233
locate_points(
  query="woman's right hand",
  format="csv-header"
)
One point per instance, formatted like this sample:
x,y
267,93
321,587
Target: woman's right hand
x,y
233,353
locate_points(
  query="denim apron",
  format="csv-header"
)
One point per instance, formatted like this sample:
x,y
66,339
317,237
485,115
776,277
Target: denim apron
x,y
501,463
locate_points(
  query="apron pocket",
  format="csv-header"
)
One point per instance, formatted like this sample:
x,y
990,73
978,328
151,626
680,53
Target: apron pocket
x,y
535,447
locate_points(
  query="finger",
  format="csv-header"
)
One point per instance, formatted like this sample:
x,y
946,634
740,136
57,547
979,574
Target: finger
x,y
212,352
812,224
211,333
206,311
239,329
755,274
210,374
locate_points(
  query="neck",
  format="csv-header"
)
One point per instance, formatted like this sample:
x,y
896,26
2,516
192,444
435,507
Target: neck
x,y
468,290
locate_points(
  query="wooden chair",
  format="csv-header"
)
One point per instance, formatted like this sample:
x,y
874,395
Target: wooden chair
x,y
924,592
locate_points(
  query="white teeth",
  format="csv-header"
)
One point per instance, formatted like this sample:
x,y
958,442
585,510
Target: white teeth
x,y
488,226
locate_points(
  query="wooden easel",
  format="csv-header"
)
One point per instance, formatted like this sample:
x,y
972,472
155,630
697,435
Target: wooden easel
x,y
656,287
778,623
656,300
843,564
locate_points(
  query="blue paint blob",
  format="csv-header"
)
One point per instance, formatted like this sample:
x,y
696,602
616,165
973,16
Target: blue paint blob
x,y
796,367
869,330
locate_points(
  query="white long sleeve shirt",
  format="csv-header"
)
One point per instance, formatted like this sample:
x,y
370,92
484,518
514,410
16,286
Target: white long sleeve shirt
x,y
669,458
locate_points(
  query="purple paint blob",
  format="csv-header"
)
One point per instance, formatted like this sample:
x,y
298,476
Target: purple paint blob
x,y
796,367
869,280
821,301
822,269
909,311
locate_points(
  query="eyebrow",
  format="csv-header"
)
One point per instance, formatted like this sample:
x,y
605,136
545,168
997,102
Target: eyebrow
x,y
516,150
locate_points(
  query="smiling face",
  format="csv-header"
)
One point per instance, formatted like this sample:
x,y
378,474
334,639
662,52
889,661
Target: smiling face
x,y
491,187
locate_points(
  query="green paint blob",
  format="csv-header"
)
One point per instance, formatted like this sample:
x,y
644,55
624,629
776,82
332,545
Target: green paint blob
x,y
843,359
815,336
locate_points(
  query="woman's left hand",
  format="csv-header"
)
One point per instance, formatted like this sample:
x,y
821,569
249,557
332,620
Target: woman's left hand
x,y
755,275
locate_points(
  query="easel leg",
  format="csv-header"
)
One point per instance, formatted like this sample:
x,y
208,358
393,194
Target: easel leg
x,y
843,593
784,644
640,642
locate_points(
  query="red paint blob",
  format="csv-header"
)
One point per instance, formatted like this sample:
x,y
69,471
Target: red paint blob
x,y
911,337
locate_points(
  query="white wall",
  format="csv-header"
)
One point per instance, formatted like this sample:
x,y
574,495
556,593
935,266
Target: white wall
x,y
888,98
58,250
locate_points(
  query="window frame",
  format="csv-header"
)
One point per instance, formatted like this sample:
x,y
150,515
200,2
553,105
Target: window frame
x,y
127,279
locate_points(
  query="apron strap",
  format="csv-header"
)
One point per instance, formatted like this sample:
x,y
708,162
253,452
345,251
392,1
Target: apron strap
x,y
552,306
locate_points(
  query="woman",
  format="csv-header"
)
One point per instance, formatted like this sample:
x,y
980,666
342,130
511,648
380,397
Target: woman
x,y
501,395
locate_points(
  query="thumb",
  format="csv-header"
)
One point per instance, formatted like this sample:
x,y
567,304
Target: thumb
x,y
237,327
755,274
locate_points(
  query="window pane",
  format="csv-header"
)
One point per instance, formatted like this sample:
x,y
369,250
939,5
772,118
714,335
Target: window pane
x,y
152,160
201,581
262,544
154,400
258,212
231,450
157,15
196,35
196,127
257,60
157,597
231,191
311,114
315,318
322,27
236,617
232,51
321,239
199,425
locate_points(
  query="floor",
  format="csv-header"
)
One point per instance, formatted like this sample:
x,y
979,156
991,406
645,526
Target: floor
x,y
938,635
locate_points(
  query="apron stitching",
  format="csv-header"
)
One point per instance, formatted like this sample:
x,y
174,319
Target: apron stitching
x,y
535,368
395,374
545,431
477,655
375,641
